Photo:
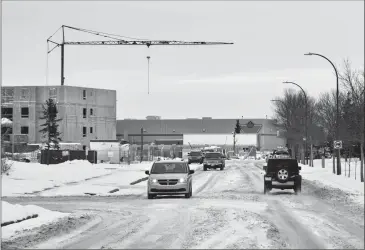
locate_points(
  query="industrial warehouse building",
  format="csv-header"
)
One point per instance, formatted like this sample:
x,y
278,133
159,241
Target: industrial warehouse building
x,y
262,133
87,113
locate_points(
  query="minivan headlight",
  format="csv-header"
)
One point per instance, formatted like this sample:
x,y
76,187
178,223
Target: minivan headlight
x,y
182,180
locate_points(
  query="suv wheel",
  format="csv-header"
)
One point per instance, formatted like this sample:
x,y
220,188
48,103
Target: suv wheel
x,y
222,167
282,175
266,190
298,184
205,168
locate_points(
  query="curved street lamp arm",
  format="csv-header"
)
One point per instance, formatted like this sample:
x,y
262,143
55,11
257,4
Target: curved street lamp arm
x,y
277,100
315,54
305,95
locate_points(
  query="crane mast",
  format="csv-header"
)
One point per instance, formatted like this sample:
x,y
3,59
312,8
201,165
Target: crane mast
x,y
115,40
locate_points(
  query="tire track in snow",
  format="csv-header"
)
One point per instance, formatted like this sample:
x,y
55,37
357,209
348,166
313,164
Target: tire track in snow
x,y
296,234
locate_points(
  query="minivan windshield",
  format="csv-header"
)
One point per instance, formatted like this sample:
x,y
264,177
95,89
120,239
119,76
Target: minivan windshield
x,y
213,155
169,168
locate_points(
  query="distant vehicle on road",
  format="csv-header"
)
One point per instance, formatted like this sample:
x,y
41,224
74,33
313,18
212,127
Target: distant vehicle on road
x,y
281,154
214,160
282,174
195,156
169,178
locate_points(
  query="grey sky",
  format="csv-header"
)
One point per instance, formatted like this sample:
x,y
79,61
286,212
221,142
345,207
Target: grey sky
x,y
219,81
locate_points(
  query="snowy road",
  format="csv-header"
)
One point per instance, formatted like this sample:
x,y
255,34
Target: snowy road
x,y
228,210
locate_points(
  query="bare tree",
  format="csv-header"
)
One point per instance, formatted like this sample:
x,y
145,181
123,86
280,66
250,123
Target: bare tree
x,y
6,129
290,113
352,82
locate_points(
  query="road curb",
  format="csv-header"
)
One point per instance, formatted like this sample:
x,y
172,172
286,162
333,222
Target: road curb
x,y
17,221
139,180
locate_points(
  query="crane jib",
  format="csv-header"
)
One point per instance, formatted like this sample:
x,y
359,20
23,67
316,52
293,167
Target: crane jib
x,y
146,43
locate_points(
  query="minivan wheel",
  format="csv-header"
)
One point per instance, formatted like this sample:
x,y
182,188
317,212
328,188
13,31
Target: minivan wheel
x,y
188,195
150,196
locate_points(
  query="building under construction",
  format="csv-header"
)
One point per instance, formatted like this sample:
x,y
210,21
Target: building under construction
x,y
86,113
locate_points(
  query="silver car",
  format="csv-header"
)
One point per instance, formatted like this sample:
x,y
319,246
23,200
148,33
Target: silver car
x,y
169,178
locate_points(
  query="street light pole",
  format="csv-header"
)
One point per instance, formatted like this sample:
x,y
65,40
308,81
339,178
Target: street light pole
x,y
305,118
141,144
287,115
337,108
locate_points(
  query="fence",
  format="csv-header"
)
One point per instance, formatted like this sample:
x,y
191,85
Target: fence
x,y
59,156
132,153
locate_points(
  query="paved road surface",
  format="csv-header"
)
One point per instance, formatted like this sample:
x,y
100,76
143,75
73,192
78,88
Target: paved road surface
x,y
228,210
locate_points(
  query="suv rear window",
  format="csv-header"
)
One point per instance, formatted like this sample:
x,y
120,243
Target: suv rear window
x,y
213,155
273,164
195,154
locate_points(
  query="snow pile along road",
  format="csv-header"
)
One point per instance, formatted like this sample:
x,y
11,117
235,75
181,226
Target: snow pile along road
x,y
325,178
23,214
119,181
27,178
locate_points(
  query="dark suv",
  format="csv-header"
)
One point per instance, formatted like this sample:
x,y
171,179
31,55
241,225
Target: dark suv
x,y
282,174
195,156
214,160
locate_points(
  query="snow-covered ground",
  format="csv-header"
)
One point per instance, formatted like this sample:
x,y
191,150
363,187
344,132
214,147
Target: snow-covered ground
x,y
77,177
15,212
228,209
326,178
35,177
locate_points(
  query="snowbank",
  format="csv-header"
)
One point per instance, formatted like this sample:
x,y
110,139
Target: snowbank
x,y
32,177
14,212
325,177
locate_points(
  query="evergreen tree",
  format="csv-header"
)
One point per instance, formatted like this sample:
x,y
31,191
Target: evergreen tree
x,y
237,129
50,132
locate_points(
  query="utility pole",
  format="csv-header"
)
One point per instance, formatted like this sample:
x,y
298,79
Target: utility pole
x,y
148,80
63,57
141,144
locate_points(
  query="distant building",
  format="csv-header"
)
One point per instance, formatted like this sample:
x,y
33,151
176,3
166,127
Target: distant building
x,y
86,113
261,133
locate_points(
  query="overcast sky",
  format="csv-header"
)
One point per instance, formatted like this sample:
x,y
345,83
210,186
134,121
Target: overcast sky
x,y
225,81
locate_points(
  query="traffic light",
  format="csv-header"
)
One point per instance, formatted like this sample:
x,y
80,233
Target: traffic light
x,y
237,129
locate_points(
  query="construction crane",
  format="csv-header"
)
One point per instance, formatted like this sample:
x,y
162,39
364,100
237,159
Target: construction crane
x,y
115,40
